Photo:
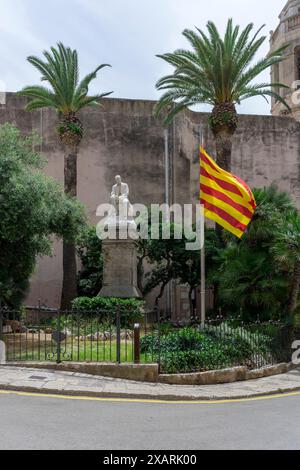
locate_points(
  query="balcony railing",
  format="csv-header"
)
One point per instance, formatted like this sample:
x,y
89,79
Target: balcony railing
x,y
293,23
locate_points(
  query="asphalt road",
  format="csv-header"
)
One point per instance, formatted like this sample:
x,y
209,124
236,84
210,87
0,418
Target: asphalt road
x,y
35,422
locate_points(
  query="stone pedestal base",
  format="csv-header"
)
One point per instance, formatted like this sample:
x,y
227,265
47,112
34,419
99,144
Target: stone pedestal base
x,y
120,269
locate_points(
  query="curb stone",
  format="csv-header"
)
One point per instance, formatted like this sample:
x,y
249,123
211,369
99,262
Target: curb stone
x,y
144,396
13,379
149,373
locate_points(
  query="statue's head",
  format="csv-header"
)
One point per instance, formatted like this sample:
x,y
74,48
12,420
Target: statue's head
x,y
118,179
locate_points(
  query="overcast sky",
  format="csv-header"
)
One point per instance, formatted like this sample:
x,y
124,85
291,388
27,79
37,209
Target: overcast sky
x,y
125,33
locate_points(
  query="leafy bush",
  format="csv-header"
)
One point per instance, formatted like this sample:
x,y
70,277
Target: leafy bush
x,y
33,208
89,250
190,349
106,307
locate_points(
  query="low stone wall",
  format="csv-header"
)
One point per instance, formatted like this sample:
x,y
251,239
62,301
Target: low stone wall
x,y
136,372
235,374
150,372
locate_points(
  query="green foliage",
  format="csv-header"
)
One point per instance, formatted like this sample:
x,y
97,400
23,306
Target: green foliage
x,y
60,70
286,251
287,246
216,347
251,281
170,258
70,126
217,70
89,250
164,255
33,208
130,309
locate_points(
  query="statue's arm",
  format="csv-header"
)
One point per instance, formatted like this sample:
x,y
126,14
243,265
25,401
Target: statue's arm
x,y
113,192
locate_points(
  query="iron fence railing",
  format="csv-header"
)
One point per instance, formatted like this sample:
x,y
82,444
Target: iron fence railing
x,y
185,347
43,334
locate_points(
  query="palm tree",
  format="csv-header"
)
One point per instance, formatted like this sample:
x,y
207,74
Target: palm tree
x,y
250,283
287,252
217,72
67,95
251,276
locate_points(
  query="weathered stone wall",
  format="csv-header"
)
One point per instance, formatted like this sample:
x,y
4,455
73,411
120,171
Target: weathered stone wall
x,y
265,150
124,138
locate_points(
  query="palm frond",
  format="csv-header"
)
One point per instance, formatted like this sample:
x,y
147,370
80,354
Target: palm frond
x,y
60,70
216,70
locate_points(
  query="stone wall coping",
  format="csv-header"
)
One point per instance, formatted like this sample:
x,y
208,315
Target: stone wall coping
x,y
150,372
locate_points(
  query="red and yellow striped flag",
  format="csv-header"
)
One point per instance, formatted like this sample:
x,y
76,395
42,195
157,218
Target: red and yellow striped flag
x,y
226,198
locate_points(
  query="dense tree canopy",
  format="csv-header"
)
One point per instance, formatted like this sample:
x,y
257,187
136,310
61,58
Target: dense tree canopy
x,y
89,250
33,207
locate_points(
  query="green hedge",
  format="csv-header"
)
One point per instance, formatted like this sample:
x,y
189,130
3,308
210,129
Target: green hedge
x,y
130,309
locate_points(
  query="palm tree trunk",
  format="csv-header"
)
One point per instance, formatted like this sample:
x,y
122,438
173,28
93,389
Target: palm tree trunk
x,y
293,301
223,123
69,287
224,149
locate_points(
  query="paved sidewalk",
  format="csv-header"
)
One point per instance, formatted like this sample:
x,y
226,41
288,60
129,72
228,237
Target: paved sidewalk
x,y
70,383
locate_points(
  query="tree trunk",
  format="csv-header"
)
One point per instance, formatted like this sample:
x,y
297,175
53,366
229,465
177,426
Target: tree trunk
x,y
294,294
191,302
140,273
161,293
223,123
69,287
224,149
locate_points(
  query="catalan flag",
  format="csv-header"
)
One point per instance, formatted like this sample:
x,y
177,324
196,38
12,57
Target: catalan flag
x,y
226,198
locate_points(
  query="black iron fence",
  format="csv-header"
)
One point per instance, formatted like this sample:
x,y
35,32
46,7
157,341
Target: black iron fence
x,y
42,334
219,343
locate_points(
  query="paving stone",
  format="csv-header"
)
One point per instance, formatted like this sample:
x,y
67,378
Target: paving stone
x,y
69,382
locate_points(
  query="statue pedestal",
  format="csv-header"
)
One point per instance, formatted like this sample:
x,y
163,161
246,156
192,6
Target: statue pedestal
x,y
120,269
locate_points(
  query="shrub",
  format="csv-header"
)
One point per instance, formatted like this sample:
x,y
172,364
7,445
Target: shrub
x,y
33,208
89,250
106,307
190,349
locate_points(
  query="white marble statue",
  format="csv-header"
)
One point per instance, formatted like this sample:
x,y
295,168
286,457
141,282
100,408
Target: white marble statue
x,y
120,197
118,216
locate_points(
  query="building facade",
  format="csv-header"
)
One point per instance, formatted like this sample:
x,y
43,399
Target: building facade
x,y
288,71
123,137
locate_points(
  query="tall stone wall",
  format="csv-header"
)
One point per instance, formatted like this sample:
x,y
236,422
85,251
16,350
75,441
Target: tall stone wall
x,y
265,150
123,137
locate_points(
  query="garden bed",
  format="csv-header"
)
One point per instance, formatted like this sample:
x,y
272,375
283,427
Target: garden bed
x,y
217,346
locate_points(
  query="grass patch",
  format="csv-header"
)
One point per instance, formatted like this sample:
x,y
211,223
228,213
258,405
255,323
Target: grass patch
x,y
33,348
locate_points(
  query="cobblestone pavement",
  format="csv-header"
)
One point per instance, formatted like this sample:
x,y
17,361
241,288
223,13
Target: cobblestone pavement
x,y
70,383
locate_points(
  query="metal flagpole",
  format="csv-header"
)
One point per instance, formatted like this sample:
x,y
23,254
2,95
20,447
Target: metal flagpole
x,y
167,202
202,256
